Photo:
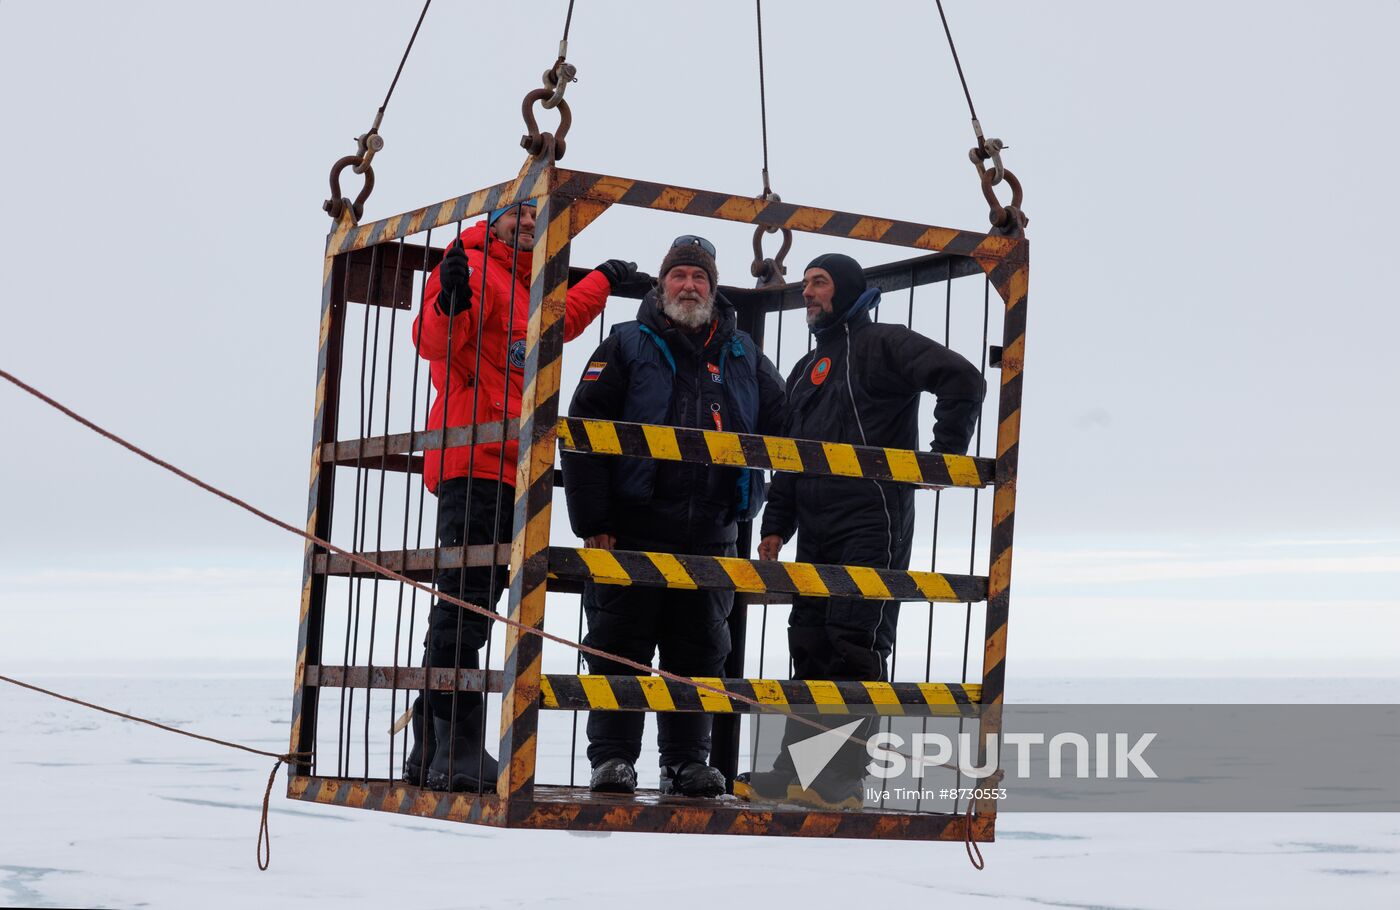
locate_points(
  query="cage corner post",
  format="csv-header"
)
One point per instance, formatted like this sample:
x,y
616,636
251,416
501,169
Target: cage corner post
x,y
320,497
1009,276
534,490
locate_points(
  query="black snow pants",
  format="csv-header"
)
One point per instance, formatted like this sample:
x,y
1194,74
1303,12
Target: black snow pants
x,y
854,523
455,636
690,630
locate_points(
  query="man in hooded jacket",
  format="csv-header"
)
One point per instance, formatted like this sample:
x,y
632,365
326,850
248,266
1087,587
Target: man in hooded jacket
x,y
683,363
472,328
861,385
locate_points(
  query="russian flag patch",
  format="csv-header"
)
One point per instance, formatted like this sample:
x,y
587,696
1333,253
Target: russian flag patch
x,y
595,369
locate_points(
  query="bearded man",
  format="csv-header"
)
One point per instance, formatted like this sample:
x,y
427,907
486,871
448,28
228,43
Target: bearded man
x,y
861,384
683,363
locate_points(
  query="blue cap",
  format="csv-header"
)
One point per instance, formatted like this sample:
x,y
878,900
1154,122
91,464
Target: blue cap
x,y
491,220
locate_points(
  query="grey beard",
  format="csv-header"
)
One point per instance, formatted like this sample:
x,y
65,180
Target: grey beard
x,y
822,320
687,316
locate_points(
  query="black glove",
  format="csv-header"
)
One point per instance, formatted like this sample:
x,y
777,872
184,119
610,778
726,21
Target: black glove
x,y
618,272
455,274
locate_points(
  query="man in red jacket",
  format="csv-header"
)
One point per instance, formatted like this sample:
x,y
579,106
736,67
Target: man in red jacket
x,y
472,329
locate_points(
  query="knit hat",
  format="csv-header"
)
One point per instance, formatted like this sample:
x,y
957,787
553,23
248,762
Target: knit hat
x,y
496,215
690,254
846,274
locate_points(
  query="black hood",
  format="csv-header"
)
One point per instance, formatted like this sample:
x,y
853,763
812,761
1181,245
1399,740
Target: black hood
x,y
847,276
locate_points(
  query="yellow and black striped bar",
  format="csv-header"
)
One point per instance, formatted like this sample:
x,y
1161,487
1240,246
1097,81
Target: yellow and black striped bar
x,y
778,214
636,440
1010,277
567,692
385,796
756,576
654,693
555,226
579,186
774,453
533,181
678,570
578,809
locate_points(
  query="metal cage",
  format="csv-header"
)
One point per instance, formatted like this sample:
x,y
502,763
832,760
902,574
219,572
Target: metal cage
x,y
373,265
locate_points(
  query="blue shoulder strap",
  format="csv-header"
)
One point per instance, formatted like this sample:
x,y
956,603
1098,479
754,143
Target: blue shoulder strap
x,y
666,351
735,346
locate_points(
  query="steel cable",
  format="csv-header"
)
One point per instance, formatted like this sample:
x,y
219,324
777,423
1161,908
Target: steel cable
x,y
373,566
264,834
958,63
762,97
389,94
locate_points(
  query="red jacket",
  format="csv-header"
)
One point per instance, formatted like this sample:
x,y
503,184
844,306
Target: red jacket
x,y
494,396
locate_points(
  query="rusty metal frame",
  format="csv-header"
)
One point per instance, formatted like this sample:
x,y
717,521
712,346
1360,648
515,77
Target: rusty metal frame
x,y
568,202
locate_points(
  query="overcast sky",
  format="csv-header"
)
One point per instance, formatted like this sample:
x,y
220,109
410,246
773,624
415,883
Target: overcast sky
x,y
1208,433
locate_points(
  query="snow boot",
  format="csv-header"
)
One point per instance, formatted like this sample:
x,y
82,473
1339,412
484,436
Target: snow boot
x,y
413,765
614,775
829,791
769,785
472,767
692,778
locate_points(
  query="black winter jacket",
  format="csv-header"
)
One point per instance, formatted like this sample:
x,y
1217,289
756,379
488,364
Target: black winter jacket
x,y
861,385
688,503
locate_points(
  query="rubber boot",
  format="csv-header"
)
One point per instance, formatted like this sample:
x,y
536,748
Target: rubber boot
x,y
413,764
473,768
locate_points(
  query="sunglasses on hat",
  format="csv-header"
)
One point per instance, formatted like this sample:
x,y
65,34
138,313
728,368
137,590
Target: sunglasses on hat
x,y
687,239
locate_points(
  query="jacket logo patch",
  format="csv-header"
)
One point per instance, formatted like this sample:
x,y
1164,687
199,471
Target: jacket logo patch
x,y
715,375
517,354
595,369
820,370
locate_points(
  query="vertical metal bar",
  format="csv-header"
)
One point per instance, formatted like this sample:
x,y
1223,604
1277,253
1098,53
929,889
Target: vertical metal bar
x,y
972,544
534,486
1010,278
379,525
724,734
467,513
355,586
763,627
578,655
364,534
407,503
500,483
320,498
578,669
938,494
437,544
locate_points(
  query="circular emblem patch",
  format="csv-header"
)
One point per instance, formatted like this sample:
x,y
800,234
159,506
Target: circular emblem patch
x,y
820,370
517,354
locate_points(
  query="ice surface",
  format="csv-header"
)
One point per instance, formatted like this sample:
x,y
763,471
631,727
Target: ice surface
x,y
99,812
